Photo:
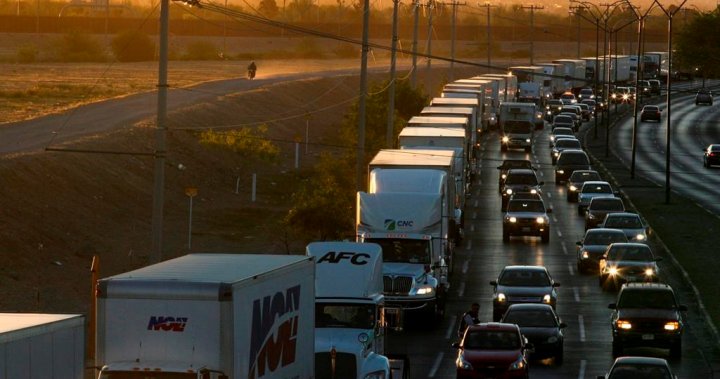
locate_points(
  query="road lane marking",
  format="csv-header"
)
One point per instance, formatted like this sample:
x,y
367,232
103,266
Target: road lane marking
x,y
571,268
581,328
461,289
466,266
549,195
555,220
475,203
451,327
565,250
474,215
559,233
436,365
581,372
576,292
469,245
472,227
541,173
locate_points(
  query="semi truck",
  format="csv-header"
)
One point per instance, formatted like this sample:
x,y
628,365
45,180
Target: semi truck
x,y
508,87
491,100
209,316
517,124
436,121
554,75
657,64
575,73
350,313
441,138
41,346
412,229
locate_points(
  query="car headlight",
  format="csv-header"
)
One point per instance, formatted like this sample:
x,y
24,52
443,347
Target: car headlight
x,y
540,220
573,188
512,219
649,272
591,216
462,364
624,324
527,140
625,97
613,271
534,191
560,171
501,297
376,375
509,191
552,138
585,254
519,364
425,290
547,299
555,153
671,326
552,339
640,237
505,139
503,176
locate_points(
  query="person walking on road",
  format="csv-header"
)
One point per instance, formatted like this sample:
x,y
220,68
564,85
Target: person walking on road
x,y
468,318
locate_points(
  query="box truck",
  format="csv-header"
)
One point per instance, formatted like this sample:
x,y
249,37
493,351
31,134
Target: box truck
x,y
412,229
209,316
508,86
517,124
350,313
575,73
42,346
554,78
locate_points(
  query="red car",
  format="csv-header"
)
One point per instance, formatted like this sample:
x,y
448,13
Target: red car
x,y
492,350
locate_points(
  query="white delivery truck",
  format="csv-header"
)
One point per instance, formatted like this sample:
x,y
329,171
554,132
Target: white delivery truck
x,y
509,91
592,71
412,229
492,95
482,111
209,316
575,75
350,313
449,122
554,79
484,90
517,124
657,64
619,68
42,346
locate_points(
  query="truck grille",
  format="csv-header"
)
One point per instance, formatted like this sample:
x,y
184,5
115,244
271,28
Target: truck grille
x,y
398,285
345,366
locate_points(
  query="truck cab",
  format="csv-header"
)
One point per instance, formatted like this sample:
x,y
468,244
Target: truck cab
x,y
350,316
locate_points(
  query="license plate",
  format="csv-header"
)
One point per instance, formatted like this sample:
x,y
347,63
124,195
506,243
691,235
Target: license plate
x,y
525,229
648,337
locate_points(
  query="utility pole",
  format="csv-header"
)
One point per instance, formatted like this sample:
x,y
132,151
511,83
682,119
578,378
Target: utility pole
x,y
452,41
360,162
532,28
487,7
413,74
428,51
391,90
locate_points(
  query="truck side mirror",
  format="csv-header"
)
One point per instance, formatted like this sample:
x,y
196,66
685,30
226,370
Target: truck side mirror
x,y
612,306
493,282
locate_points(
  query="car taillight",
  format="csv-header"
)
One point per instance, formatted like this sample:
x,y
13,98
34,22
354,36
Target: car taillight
x,y
711,154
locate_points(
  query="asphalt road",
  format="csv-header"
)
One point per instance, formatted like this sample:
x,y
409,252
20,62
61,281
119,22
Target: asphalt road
x,y
581,303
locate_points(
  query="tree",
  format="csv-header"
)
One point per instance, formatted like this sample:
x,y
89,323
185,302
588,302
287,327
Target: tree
x,y
268,8
697,45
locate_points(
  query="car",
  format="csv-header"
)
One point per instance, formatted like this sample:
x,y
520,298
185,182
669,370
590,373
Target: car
x,y
585,111
585,93
655,86
541,326
552,108
650,112
526,217
559,131
645,88
492,350
568,98
633,94
704,96
576,180
575,110
522,284
711,155
517,134
599,207
592,105
627,262
593,245
563,121
639,367
647,315
563,144
568,161
591,190
519,180
630,223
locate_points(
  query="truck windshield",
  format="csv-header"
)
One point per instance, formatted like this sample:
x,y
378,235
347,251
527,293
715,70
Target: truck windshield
x,y
520,127
147,375
356,316
404,250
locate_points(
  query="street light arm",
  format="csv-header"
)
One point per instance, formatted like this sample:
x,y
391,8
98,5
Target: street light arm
x,y
667,10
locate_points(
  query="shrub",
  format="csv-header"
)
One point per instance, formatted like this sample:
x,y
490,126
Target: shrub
x,y
76,46
308,49
133,46
201,51
27,54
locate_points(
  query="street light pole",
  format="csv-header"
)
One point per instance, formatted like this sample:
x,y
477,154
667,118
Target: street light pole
x,y
360,159
413,74
391,90
532,28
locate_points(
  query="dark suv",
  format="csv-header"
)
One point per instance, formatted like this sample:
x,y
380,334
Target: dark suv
x,y
704,96
647,314
568,161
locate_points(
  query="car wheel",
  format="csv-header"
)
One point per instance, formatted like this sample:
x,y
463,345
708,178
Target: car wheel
x,y
616,349
546,236
705,164
676,349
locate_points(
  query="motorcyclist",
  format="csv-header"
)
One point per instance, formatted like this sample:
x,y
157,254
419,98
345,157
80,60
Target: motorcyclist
x,y
252,68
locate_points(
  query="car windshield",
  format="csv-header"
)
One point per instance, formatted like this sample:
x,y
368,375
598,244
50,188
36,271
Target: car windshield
x,y
606,205
568,143
630,253
403,250
567,96
645,298
491,340
513,179
563,120
530,318
604,238
583,176
521,127
623,222
524,278
586,91
563,132
508,164
596,188
526,206
715,148
573,159
651,109
636,371
334,315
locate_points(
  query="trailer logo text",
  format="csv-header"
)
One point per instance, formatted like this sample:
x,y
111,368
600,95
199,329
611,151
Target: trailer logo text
x,y
274,332
391,224
336,257
168,324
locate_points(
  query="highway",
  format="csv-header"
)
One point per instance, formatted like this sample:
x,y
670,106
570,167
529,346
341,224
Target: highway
x,y
581,303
